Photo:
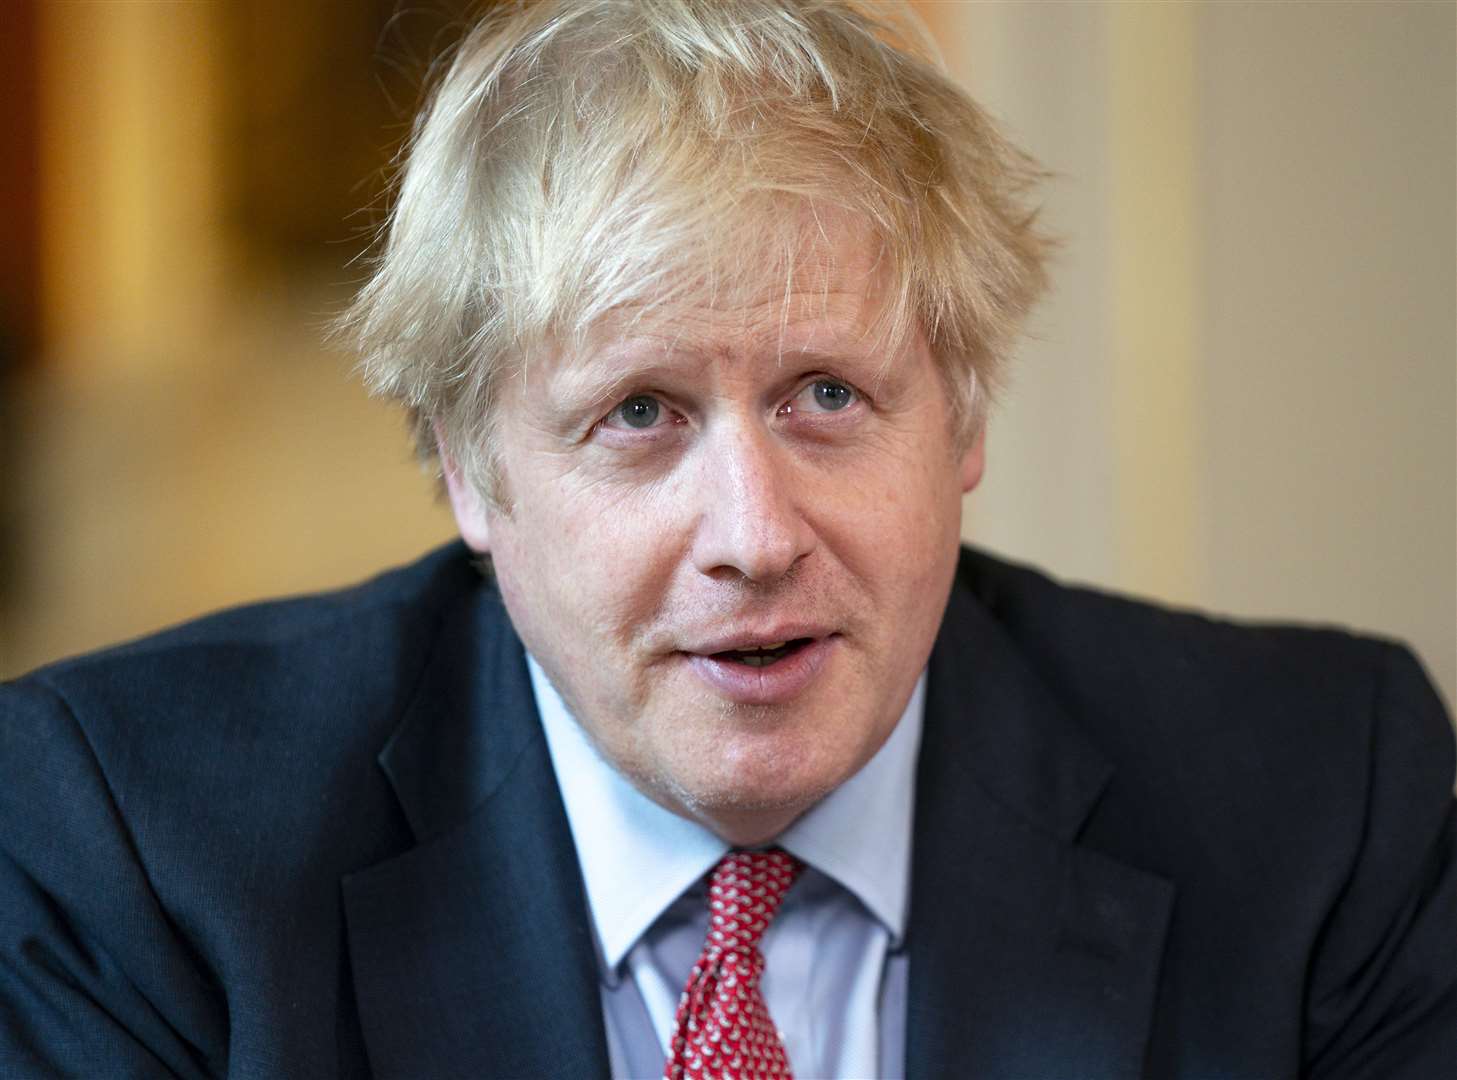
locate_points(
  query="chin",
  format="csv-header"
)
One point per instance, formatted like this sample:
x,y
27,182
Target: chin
x,y
775,791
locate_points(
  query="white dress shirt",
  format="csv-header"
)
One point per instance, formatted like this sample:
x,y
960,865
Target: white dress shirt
x,y
835,971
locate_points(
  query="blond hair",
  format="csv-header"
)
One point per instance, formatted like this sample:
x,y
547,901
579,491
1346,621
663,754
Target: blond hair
x,y
587,157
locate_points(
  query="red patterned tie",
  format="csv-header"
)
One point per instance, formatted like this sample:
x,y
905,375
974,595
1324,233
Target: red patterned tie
x,y
723,1026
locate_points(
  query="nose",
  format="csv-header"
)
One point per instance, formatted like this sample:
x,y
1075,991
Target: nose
x,y
750,494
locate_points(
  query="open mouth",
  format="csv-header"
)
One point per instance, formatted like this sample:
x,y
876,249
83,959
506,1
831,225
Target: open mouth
x,y
767,673
764,655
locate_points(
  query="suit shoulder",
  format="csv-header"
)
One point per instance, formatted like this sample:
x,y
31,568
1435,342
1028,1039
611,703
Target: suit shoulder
x,y
304,681
1079,635
1193,710
249,737
285,620
248,647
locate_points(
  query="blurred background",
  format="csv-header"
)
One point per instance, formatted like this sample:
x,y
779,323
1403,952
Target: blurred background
x,y
1241,395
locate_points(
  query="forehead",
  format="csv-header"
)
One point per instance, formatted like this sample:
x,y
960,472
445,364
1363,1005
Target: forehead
x,y
830,294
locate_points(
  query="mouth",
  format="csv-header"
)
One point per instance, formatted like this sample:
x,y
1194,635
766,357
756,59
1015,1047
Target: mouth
x,y
762,655
766,672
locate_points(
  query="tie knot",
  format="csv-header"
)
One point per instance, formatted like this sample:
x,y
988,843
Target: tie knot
x,y
745,891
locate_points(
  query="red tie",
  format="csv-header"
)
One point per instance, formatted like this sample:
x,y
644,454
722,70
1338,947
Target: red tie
x,y
723,1028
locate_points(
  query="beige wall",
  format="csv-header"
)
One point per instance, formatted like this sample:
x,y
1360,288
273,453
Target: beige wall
x,y
1242,393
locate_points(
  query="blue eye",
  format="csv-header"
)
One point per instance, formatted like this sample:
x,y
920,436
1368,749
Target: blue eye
x,y
822,396
832,396
640,411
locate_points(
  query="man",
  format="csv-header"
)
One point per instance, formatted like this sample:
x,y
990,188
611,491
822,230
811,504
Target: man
x,y
731,763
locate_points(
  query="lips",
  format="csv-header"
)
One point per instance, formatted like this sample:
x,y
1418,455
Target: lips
x,y
765,669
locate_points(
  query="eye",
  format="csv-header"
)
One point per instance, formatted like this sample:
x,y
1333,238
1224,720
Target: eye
x,y
639,411
637,420
822,396
831,396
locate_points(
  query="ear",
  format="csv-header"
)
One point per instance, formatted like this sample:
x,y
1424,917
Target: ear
x,y
470,511
974,461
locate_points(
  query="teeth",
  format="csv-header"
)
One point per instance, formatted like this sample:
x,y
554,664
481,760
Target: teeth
x,y
759,655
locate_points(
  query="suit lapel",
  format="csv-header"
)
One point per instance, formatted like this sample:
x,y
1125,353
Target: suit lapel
x,y
472,952
1029,956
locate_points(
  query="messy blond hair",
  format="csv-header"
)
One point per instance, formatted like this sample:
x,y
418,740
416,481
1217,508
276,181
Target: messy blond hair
x,y
587,157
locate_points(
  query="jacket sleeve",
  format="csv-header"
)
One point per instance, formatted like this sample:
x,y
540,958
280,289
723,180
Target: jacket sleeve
x,y
1382,995
93,978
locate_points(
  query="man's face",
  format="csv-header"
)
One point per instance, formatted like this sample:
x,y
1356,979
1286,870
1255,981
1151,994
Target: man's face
x,y
730,542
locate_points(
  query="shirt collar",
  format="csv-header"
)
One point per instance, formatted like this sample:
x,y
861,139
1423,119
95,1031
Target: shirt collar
x,y
637,857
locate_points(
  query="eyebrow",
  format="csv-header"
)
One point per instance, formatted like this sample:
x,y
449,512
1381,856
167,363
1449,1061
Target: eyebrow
x,y
594,378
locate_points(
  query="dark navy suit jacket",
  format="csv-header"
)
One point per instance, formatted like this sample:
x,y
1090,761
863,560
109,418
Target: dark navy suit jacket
x,y
324,837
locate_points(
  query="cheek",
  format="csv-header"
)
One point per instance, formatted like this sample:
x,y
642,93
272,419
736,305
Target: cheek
x,y
903,516
589,572
899,542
